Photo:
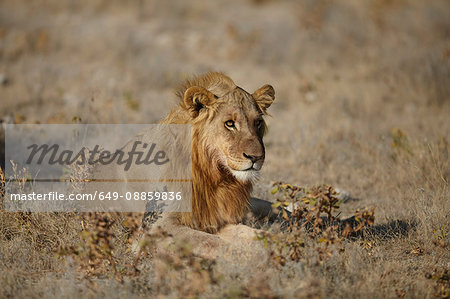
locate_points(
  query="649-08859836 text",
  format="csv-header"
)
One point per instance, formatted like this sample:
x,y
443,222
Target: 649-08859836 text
x,y
153,195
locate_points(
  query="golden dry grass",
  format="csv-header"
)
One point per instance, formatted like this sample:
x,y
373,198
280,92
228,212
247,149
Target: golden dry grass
x,y
363,104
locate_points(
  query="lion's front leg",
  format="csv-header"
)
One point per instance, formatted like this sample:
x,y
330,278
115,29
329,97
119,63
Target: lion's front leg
x,y
233,244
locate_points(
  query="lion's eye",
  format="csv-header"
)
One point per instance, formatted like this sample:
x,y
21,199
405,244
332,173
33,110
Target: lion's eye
x,y
258,123
229,124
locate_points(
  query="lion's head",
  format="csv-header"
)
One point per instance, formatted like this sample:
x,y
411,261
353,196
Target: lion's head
x,y
228,148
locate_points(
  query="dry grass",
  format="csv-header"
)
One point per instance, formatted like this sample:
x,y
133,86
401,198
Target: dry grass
x,y
363,101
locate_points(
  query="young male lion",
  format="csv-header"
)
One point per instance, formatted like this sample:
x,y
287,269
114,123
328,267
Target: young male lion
x,y
227,155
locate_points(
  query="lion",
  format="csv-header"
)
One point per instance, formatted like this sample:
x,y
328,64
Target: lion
x,y
227,155
226,151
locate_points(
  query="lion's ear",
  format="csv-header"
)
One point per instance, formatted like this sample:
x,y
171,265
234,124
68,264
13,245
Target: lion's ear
x,y
264,97
196,98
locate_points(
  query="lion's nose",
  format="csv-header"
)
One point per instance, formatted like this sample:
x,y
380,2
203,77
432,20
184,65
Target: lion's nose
x,y
253,158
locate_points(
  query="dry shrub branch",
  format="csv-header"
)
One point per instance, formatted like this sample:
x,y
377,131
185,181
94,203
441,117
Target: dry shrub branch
x,y
314,217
